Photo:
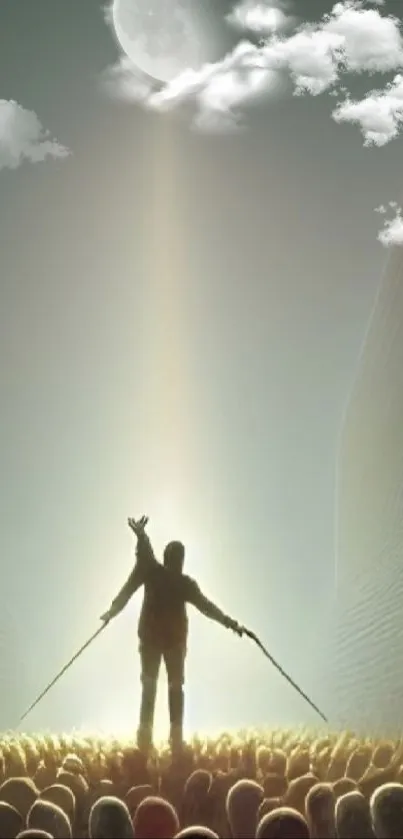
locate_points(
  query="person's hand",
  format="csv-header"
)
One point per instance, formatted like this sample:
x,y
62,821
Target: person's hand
x,y
236,627
139,526
107,616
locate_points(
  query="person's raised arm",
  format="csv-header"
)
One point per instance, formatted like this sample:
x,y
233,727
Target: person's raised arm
x,y
209,609
144,555
144,552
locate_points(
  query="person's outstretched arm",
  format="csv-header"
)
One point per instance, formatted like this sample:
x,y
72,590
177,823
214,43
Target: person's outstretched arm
x,y
144,557
209,609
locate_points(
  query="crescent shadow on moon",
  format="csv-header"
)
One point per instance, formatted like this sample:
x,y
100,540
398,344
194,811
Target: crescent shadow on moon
x,y
155,85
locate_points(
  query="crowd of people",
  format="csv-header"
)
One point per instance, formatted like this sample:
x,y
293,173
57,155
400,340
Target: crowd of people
x,y
251,787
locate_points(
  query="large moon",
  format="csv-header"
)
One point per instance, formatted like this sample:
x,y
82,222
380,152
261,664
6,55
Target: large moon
x,y
164,37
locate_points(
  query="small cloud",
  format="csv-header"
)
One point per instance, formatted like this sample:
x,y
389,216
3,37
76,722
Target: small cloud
x,y
392,231
22,137
379,114
260,18
108,13
381,209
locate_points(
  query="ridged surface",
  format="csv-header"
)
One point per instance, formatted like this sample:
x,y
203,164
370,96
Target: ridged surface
x,y
368,657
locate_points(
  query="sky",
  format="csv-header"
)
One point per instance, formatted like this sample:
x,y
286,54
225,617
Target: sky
x,y
186,278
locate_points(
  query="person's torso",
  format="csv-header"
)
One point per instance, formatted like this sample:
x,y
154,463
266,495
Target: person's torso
x,y
163,618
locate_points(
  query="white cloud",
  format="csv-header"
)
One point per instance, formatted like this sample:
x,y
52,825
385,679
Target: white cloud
x,y
262,18
217,93
379,115
125,81
22,137
381,209
392,231
213,95
351,39
371,42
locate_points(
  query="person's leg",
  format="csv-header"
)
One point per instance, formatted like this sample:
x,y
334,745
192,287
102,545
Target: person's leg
x,y
175,665
150,658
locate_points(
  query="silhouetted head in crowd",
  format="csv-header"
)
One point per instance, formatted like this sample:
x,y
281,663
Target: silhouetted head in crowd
x,y
353,820
277,762
174,556
298,764
267,806
382,756
199,782
109,818
20,792
44,776
297,791
136,795
49,817
155,818
76,783
72,763
242,805
194,798
358,763
284,823
11,821
63,797
344,785
196,831
102,788
386,807
320,805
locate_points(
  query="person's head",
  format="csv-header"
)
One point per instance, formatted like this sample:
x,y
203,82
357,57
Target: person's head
x,y
49,817
196,831
21,793
34,833
320,804
110,817
174,556
242,805
11,821
353,818
62,796
284,823
155,818
386,807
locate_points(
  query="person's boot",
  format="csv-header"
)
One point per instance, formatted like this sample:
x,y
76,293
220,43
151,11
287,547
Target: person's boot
x,y
176,708
147,707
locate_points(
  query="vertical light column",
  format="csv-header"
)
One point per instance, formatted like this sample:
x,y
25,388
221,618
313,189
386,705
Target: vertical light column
x,y
168,388
368,657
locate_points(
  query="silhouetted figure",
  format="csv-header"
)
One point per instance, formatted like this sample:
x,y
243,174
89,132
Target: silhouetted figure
x,y
386,807
163,626
109,818
242,805
155,818
46,816
320,804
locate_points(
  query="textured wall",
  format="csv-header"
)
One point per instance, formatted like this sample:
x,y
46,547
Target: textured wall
x,y
368,658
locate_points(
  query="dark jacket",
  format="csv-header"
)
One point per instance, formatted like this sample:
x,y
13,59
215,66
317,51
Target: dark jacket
x,y
163,618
